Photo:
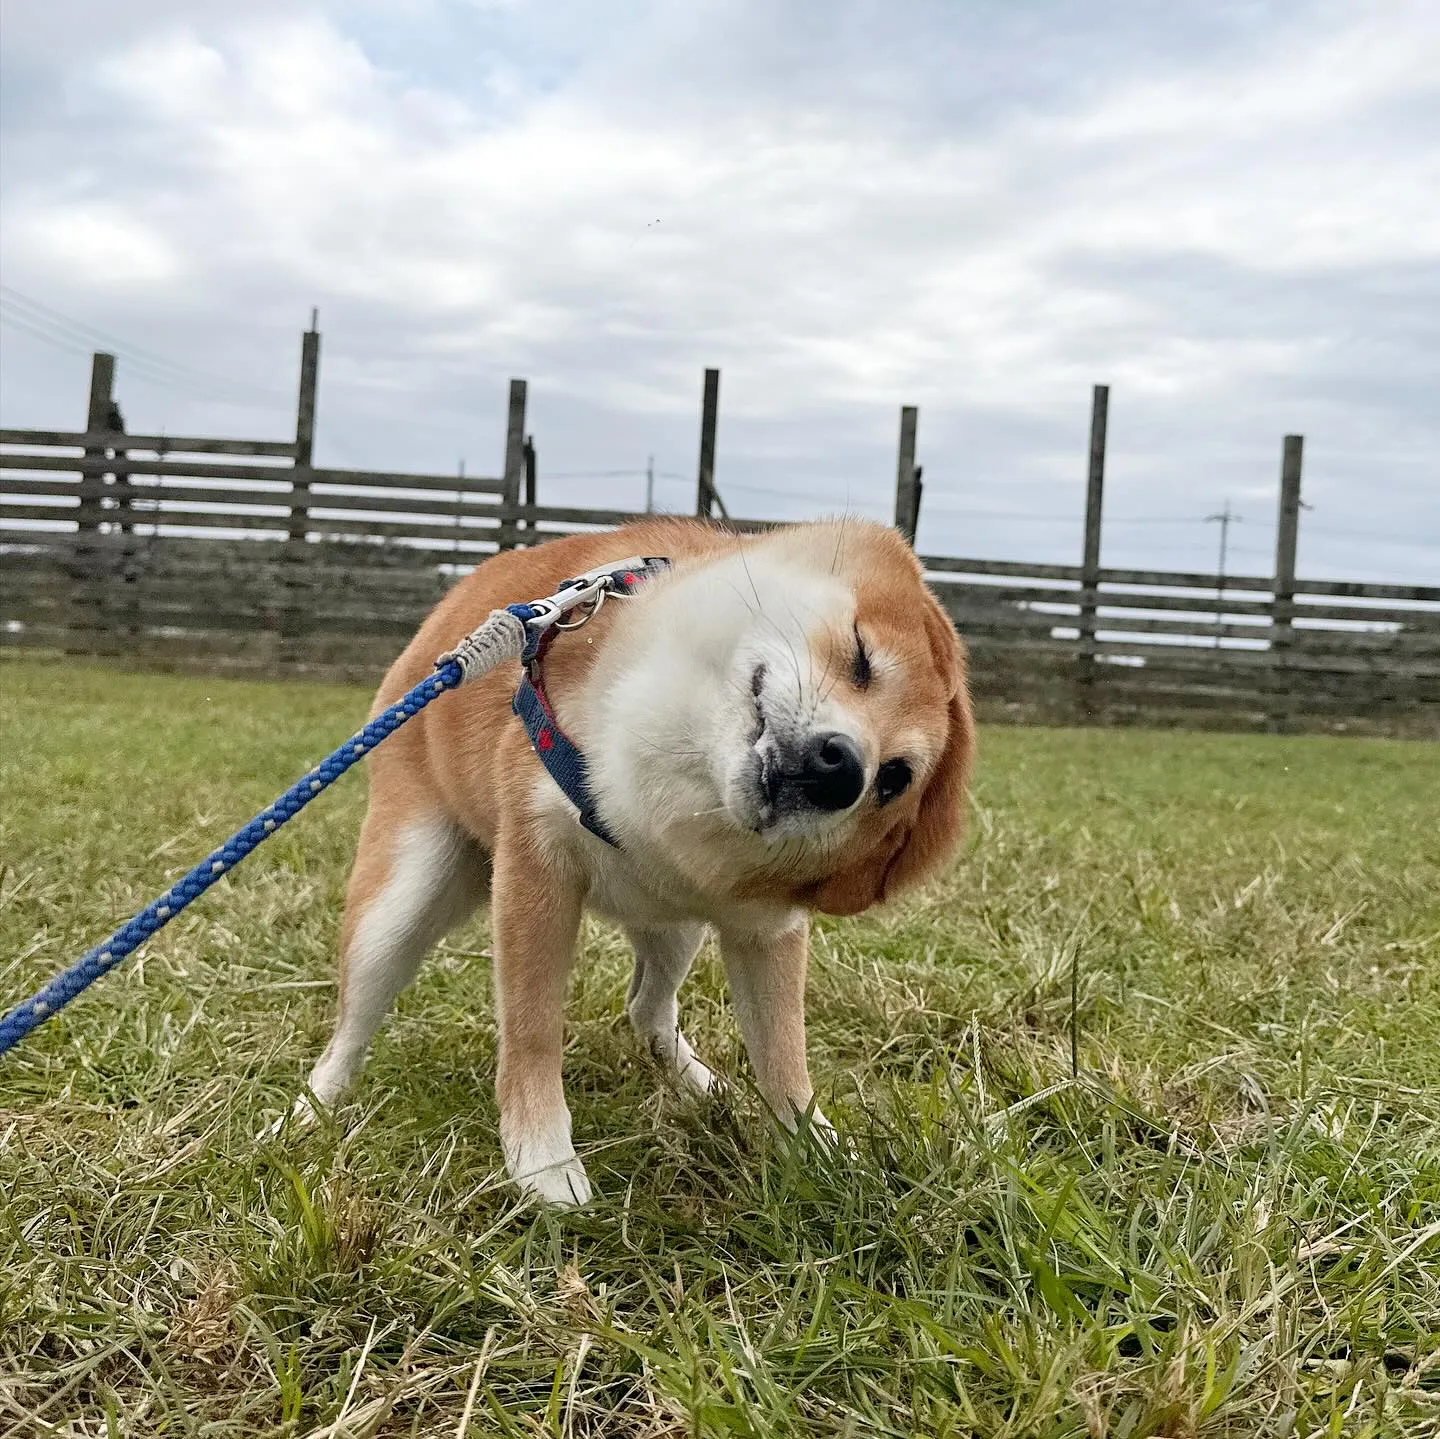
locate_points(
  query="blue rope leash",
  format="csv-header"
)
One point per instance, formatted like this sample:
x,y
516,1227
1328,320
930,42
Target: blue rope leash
x,y
129,937
511,633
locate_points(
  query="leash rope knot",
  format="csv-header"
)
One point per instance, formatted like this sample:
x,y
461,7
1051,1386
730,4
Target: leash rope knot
x,y
516,632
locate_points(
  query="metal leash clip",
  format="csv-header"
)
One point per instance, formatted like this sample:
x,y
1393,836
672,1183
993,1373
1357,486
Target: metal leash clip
x,y
602,588
589,589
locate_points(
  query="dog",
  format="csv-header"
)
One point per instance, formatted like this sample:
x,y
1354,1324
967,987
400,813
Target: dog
x,y
776,724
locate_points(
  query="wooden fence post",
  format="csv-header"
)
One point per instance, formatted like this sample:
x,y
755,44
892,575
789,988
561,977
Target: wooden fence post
x,y
1282,601
514,474
1090,563
907,476
707,498
294,610
97,417
88,619
304,431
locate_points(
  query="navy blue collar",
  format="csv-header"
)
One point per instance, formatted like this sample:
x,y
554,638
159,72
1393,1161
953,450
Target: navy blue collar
x,y
555,749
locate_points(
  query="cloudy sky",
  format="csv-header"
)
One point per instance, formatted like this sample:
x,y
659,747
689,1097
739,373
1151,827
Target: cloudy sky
x,y
1229,212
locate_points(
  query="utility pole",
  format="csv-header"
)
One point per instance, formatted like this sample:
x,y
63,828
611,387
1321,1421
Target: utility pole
x,y
1224,519
1090,564
650,485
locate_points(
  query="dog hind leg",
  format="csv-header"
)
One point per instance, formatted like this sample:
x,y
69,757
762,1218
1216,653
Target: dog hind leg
x,y
410,884
662,960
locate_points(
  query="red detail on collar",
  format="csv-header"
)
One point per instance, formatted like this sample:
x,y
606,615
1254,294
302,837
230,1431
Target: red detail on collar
x,y
545,739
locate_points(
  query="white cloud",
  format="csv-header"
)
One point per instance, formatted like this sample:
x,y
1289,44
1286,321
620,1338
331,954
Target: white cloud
x,y
98,237
1201,235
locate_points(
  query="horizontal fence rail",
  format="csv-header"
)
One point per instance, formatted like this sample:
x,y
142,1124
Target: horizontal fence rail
x,y
1169,647
243,556
1351,655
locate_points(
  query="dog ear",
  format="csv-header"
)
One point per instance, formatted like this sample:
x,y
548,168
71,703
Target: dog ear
x,y
941,818
912,852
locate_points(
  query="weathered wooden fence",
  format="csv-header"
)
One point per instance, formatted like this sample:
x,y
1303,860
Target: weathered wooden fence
x,y
243,556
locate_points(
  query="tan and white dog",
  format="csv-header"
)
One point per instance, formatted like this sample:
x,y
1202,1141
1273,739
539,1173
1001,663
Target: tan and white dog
x,y
779,724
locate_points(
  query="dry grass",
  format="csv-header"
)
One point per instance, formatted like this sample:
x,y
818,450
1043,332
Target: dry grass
x,y
1230,1225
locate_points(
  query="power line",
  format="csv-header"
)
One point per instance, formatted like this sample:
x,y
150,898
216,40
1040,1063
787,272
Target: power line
x,y
45,323
137,371
1000,516
14,320
1367,535
593,474
46,314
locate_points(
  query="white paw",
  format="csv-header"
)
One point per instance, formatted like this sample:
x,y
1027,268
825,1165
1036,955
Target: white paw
x,y
822,1129
696,1077
825,1136
301,1114
672,1053
564,1184
543,1163
814,1128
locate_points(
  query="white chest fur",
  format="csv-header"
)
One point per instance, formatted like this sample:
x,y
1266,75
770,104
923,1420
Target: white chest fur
x,y
641,890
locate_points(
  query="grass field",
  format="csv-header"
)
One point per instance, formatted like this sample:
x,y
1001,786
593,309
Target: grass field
x,y
1230,1225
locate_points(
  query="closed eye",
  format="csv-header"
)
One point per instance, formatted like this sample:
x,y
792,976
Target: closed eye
x,y
892,780
860,673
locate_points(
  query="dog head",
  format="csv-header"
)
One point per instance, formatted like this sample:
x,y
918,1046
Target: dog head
x,y
816,736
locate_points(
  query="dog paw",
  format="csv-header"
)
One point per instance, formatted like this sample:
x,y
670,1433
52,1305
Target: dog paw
x,y
542,1163
821,1129
673,1054
830,1141
301,1115
564,1185
812,1127
696,1078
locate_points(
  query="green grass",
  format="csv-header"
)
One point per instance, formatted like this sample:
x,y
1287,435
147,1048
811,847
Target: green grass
x,y
1229,1226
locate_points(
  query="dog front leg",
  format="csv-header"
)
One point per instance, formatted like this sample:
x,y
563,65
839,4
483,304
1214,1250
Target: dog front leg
x,y
536,916
767,986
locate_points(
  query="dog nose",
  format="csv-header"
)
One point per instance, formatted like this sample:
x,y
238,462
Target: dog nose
x,y
832,773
